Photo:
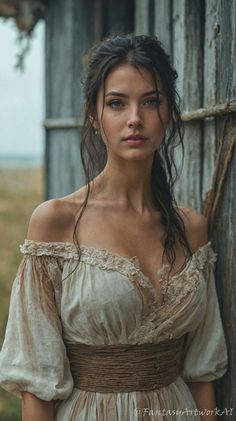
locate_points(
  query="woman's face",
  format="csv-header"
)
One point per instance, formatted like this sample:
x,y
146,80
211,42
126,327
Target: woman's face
x,y
128,119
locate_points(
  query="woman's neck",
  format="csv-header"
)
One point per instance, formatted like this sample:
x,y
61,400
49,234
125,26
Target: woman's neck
x,y
127,183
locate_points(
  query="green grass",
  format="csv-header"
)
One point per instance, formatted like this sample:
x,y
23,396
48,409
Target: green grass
x,y
21,190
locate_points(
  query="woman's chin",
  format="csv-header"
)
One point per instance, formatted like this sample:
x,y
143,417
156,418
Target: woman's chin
x,y
138,155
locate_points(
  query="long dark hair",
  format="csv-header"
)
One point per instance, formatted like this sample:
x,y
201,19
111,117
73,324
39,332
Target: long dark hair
x,y
140,51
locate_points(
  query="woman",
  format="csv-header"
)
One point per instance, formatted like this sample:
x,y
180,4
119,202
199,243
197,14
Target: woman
x,y
114,313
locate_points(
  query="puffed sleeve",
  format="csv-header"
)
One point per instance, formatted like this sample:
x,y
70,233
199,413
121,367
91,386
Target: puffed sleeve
x,y
206,355
33,356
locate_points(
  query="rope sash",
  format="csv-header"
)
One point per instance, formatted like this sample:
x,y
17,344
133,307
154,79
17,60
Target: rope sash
x,y
125,368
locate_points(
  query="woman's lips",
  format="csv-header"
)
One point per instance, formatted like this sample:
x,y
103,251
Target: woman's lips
x,y
135,137
135,140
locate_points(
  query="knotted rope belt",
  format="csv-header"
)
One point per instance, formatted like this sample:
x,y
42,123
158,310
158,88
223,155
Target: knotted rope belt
x,y
125,368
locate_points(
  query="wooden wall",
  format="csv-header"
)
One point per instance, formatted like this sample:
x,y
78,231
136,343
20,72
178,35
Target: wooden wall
x,y
200,36
222,76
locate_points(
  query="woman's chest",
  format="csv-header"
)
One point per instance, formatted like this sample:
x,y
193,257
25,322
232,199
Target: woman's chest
x,y
143,239
109,297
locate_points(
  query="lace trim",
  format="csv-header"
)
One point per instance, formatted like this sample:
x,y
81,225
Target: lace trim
x,y
175,287
67,250
202,259
182,288
54,249
107,260
185,288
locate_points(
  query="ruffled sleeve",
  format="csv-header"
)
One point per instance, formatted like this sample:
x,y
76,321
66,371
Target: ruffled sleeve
x,y
206,355
33,356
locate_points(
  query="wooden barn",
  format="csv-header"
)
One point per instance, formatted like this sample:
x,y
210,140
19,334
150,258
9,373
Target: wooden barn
x,y
200,36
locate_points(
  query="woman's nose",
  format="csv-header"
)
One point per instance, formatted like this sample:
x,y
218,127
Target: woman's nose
x,y
134,119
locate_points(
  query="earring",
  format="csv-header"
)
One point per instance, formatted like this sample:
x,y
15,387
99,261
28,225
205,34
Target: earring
x,y
96,131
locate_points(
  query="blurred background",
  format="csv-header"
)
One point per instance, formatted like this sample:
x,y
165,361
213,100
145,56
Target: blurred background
x,y
21,161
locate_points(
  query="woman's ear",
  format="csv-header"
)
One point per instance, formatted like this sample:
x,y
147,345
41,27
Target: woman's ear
x,y
95,123
93,119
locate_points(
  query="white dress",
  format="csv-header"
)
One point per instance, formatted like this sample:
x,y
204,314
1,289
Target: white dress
x,y
108,300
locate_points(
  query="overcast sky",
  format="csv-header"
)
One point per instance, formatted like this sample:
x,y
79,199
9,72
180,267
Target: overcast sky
x,y
21,94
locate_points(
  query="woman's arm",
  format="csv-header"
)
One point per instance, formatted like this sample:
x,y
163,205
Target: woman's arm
x,y
204,395
34,409
203,392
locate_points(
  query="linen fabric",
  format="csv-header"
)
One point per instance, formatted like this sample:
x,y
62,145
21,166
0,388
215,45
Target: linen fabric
x,y
106,299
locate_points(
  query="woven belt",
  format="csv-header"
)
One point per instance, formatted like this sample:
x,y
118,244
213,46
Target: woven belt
x,y
125,368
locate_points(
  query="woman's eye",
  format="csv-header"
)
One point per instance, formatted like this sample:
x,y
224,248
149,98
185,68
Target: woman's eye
x,y
154,102
115,103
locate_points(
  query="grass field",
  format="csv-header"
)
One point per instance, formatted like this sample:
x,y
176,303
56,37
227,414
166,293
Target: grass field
x,y
21,190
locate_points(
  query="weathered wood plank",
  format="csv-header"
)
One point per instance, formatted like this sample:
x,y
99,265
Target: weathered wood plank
x,y
162,23
187,56
69,33
224,241
209,93
141,25
224,233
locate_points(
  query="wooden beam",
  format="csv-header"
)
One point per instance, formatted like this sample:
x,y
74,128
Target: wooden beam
x,y
214,111
62,123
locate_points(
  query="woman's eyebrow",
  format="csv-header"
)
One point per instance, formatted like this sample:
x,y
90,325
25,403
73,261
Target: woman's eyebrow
x,y
120,94
152,93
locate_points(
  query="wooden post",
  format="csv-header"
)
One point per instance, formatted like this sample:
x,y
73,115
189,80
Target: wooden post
x,y
223,235
209,94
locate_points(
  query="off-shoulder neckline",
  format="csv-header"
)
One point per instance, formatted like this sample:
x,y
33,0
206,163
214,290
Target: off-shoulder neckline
x,y
67,245
68,250
107,260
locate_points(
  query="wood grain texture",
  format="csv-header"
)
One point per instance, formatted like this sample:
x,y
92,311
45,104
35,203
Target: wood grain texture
x,y
224,235
209,93
162,23
187,58
202,37
141,17
224,241
69,33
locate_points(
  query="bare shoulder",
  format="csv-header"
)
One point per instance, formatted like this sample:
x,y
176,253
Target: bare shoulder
x,y
196,226
54,219
49,221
